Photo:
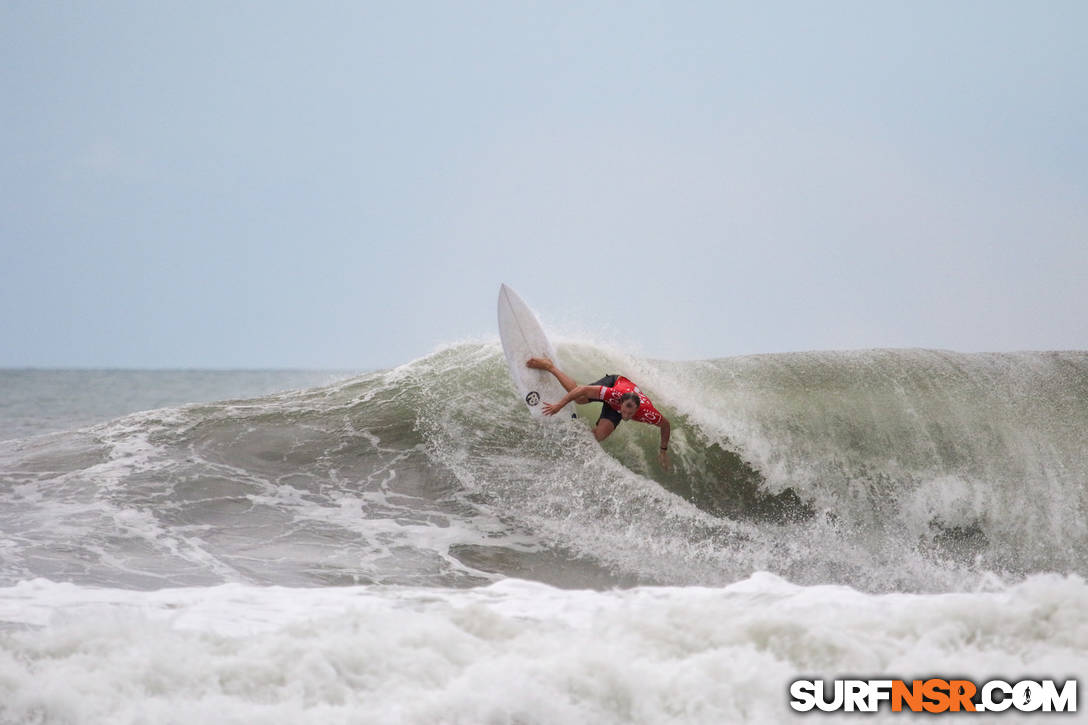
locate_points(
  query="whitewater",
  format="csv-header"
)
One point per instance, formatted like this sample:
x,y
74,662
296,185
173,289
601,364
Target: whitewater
x,y
409,546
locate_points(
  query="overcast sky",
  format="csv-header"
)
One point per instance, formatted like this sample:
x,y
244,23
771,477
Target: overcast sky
x,y
345,185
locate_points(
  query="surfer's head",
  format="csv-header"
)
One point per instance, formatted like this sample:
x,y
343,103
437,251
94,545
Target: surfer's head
x,y
629,403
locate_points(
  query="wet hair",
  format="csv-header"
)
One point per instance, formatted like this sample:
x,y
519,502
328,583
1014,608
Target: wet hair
x,y
633,397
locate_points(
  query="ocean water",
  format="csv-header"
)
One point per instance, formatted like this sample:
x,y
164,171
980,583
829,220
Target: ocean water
x,y
35,401
409,546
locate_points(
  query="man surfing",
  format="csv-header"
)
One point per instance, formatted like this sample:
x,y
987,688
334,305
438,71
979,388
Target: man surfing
x,y
621,398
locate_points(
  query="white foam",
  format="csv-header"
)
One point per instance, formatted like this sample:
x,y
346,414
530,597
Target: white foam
x,y
514,651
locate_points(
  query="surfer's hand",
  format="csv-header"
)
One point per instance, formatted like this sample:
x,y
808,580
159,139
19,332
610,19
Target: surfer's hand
x,y
550,409
663,458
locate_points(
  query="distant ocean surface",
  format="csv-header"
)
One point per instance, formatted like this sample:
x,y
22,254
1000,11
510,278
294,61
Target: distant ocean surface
x,y
35,401
409,546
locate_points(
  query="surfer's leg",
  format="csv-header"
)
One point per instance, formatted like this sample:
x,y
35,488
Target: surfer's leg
x,y
543,363
610,417
604,429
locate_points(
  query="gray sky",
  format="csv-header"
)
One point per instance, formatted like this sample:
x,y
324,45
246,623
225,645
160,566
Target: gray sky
x,y
345,185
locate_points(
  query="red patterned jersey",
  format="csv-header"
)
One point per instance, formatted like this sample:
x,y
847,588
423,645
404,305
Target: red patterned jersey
x,y
646,412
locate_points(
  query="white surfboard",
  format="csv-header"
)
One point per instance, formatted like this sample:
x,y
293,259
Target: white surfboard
x,y
522,338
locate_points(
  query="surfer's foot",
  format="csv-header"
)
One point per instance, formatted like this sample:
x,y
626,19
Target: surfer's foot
x,y
538,363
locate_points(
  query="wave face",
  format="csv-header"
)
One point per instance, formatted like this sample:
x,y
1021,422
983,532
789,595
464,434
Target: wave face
x,y
904,470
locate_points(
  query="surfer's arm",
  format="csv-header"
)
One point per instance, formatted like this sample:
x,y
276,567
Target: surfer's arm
x,y
593,392
666,431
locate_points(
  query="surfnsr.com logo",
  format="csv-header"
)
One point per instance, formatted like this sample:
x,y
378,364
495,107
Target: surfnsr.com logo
x,y
934,695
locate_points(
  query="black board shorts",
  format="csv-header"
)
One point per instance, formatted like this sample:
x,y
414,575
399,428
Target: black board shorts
x,y
607,411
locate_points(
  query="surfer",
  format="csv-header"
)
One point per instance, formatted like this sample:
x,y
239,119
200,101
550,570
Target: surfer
x,y
621,398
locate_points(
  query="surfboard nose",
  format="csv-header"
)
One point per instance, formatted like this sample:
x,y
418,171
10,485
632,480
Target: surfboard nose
x,y
522,339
